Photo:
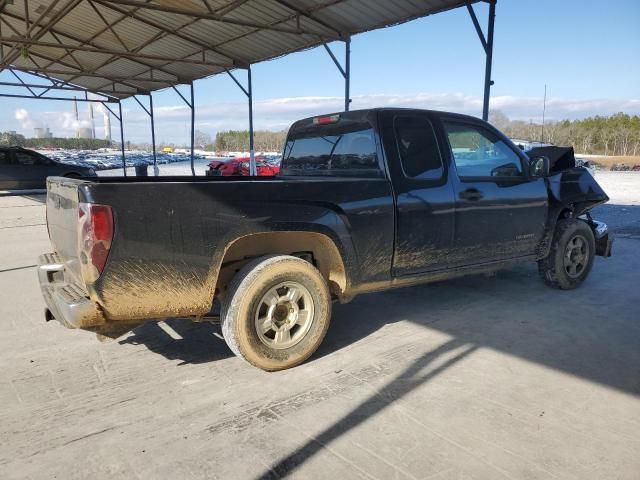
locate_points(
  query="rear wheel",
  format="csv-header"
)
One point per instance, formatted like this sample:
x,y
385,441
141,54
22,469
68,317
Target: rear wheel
x,y
570,257
276,312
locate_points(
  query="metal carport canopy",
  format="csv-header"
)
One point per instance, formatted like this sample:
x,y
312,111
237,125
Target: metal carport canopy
x,y
122,48
126,47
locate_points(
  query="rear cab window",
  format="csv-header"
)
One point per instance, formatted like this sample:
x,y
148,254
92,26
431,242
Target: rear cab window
x,y
343,147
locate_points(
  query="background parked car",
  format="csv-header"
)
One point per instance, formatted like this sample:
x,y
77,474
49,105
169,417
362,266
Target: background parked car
x,y
21,169
266,167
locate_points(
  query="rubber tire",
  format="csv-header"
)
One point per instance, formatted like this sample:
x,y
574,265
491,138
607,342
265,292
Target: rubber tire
x,y
551,269
247,289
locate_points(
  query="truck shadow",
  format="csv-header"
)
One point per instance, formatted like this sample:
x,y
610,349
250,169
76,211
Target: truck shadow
x,y
588,332
184,340
512,313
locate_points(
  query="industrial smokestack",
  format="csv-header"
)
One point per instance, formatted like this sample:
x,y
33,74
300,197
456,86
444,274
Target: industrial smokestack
x,y
107,126
93,125
75,114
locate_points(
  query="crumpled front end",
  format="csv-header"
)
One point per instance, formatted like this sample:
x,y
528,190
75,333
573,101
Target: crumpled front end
x,y
576,188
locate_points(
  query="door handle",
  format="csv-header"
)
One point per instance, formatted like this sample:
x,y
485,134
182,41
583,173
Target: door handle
x,y
471,194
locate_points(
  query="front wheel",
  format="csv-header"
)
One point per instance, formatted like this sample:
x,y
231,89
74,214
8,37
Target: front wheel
x,y
276,312
570,257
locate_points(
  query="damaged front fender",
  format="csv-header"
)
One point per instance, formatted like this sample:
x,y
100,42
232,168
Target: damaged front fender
x,y
575,189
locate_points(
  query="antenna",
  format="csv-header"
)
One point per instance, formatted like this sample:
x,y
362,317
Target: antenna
x,y
544,108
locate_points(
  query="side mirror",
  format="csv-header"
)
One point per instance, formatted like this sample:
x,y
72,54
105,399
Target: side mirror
x,y
539,166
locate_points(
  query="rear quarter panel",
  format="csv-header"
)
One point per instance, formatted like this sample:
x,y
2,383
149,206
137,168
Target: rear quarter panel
x,y
170,237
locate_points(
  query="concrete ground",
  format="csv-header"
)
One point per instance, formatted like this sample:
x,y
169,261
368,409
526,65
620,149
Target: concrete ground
x,y
478,378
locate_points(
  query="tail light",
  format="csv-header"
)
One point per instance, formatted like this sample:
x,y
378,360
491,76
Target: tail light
x,y
95,234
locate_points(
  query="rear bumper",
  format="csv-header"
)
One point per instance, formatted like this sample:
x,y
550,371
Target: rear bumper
x,y
66,302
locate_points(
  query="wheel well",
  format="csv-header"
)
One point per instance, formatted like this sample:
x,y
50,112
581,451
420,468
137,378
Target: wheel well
x,y
565,213
313,247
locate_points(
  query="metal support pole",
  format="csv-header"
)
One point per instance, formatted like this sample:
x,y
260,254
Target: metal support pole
x,y
124,163
153,136
253,169
347,74
193,129
489,60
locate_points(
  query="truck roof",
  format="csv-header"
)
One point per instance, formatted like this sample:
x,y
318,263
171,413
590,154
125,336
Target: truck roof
x,y
368,114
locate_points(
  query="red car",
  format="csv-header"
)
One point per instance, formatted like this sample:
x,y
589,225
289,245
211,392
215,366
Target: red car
x,y
240,166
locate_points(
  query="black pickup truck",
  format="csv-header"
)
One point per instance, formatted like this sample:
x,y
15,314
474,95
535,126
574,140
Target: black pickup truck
x,y
365,200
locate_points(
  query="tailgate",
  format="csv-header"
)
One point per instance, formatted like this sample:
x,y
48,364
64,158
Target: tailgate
x,y
62,221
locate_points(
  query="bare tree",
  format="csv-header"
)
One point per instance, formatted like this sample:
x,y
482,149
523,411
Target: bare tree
x,y
201,138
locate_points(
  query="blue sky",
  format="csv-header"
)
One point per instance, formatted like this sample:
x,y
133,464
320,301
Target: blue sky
x,y
587,52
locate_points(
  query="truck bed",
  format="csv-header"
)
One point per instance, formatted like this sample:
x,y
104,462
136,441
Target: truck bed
x,y
171,233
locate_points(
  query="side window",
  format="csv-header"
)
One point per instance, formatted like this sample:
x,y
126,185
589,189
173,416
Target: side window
x,y
29,158
479,153
26,159
418,148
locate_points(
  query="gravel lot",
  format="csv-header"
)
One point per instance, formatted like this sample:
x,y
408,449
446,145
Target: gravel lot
x,y
482,378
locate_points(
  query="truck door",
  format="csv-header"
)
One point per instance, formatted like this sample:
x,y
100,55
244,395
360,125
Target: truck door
x,y
423,195
500,212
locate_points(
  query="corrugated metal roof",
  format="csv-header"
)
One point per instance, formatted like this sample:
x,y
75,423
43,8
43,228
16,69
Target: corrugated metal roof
x,y
124,47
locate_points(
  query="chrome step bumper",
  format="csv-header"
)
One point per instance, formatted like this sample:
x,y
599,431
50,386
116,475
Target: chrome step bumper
x,y
66,302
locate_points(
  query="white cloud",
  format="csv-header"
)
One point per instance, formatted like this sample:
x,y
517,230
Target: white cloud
x,y
172,122
23,117
279,113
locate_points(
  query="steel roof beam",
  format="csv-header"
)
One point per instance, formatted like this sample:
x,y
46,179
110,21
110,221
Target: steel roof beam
x,y
95,75
237,62
74,70
229,7
52,31
108,25
108,51
11,57
57,82
476,24
310,16
46,87
213,17
89,42
65,49
36,97
222,11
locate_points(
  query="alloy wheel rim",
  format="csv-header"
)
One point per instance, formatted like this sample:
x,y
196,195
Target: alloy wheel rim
x,y
284,315
576,256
